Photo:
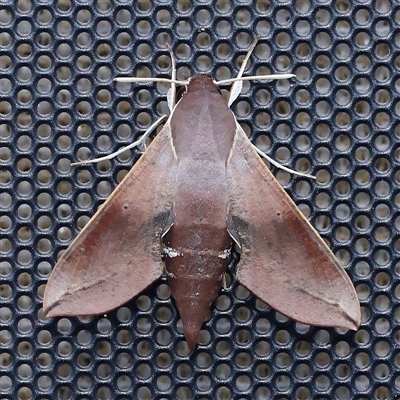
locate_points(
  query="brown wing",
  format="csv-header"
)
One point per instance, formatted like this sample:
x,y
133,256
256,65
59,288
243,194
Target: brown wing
x,y
284,261
118,253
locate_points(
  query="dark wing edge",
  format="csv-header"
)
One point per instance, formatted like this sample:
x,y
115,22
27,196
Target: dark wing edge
x,y
284,261
119,252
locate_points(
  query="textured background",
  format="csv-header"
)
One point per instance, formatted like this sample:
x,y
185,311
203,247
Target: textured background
x,y
339,120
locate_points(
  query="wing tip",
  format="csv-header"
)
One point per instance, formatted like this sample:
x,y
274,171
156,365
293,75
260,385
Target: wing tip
x,y
353,319
344,319
54,309
63,306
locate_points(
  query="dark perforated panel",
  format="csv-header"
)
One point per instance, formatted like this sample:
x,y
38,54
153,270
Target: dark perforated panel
x,y
338,120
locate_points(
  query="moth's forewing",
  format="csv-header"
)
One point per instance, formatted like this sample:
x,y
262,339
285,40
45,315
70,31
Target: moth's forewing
x,y
119,252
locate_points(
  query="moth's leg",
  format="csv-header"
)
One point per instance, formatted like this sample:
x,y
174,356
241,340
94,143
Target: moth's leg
x,y
280,166
168,274
237,86
272,161
132,145
224,282
171,95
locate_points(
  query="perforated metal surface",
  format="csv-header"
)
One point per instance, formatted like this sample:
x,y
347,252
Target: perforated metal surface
x,y
339,120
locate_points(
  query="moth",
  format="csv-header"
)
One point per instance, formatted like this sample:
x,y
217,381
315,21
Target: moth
x,y
199,188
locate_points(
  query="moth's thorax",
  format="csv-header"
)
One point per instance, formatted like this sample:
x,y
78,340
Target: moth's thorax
x,y
202,125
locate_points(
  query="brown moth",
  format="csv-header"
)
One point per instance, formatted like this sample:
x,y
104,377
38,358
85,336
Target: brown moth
x,y
199,187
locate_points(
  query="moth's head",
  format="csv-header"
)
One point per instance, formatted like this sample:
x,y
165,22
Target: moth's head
x,y
201,82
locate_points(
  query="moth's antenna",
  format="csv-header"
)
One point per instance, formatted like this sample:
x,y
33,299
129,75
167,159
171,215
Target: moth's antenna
x,y
131,79
280,166
256,78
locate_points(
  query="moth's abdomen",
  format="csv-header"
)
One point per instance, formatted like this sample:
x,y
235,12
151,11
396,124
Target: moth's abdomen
x,y
195,273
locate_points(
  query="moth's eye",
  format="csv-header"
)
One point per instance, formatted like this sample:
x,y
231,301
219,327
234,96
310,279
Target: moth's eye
x,y
180,91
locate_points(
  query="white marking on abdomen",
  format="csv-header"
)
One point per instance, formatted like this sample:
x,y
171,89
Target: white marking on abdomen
x,y
170,252
225,254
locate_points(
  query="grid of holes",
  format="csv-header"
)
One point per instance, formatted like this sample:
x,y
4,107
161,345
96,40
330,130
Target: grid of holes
x,y
58,103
